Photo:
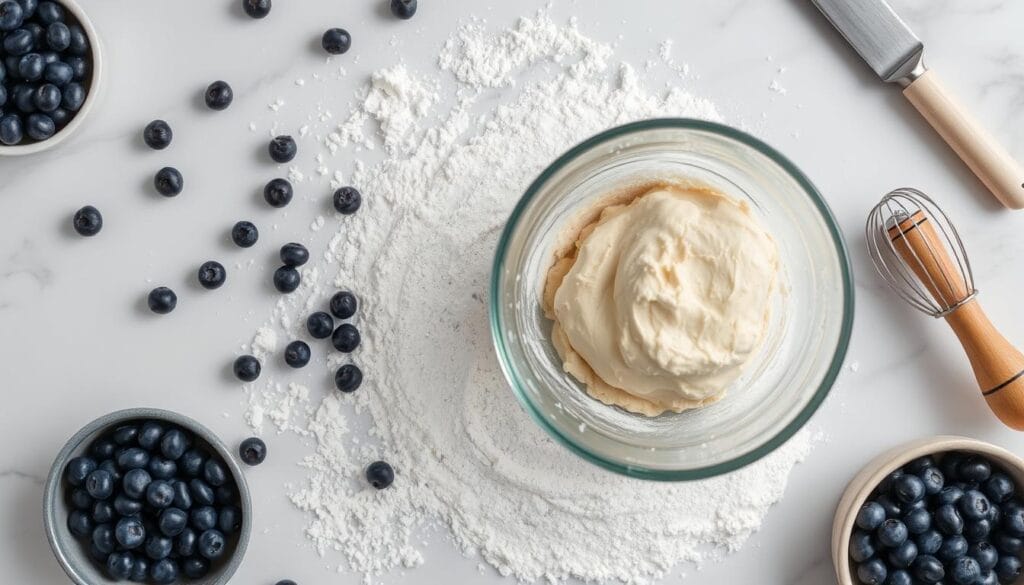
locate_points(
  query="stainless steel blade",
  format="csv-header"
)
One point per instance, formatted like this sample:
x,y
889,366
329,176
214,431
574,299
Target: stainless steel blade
x,y
878,34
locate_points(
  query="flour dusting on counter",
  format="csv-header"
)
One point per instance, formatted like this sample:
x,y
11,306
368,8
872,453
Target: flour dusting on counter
x,y
418,254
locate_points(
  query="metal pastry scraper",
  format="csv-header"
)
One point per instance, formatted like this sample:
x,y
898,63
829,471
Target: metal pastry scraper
x,y
896,55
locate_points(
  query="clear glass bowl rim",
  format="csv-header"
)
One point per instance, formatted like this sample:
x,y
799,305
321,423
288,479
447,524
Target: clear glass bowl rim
x,y
510,369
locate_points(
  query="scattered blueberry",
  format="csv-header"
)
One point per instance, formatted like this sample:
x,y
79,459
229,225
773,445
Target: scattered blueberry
x,y
218,95
380,475
168,182
320,325
347,200
294,254
278,192
247,368
344,304
162,300
404,9
286,279
244,234
336,41
252,451
87,220
157,134
348,378
282,148
212,275
256,8
345,338
297,354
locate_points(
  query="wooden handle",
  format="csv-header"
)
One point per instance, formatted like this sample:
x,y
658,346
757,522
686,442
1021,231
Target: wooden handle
x,y
998,366
1003,176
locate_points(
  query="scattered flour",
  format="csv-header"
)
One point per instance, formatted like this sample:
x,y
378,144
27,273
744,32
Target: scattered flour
x,y
419,256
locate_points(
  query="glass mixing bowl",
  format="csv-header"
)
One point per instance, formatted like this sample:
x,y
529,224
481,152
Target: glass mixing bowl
x,y
781,386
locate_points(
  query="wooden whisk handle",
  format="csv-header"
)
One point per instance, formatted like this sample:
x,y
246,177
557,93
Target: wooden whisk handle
x,y
998,365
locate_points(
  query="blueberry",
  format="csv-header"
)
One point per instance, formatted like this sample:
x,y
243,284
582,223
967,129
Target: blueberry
x,y
948,520
40,126
49,12
928,569
218,95
256,8
211,544
985,554
229,520
162,300
336,41
157,134
191,462
24,100
226,494
278,192
286,582
345,338
404,9
862,546
168,182
965,571
320,325
294,254
202,493
246,368
31,66
920,464
1013,521
214,473
97,555
899,577
158,547
160,494
120,565
950,463
78,469
58,73
164,572
172,521
252,451
380,475
135,483
11,131
975,469
297,354
286,279
130,533
282,149
58,36
918,520
949,495
73,97
903,555
103,448
18,43
347,200
933,480
195,567
344,304
103,538
140,570
212,275
999,487
47,98
80,68
892,509
908,489
161,468
102,512
126,506
100,484
185,544
133,458
348,378
1006,544
1008,569
891,533
79,523
182,495
977,530
11,15
79,44
952,547
174,444
149,434
80,499
872,572
111,467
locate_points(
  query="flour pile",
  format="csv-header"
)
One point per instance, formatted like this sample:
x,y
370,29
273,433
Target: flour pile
x,y
419,256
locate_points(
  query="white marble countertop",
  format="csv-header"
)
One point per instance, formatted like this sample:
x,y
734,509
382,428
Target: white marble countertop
x,y
77,341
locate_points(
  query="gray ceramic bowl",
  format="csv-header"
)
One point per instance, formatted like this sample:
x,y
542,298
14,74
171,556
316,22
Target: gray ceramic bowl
x,y
72,552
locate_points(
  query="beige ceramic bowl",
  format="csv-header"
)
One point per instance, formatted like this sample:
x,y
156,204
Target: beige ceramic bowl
x,y
865,481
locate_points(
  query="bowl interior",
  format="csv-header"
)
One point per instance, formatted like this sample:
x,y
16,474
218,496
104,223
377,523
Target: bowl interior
x,y
73,553
780,387
860,488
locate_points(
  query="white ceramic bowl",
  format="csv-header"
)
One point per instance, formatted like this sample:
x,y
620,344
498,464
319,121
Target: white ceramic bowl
x,y
861,486
92,89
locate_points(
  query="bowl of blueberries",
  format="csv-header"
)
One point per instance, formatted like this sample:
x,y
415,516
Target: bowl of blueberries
x,y
50,71
938,510
149,496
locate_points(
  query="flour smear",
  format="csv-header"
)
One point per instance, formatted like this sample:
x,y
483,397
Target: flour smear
x,y
418,254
